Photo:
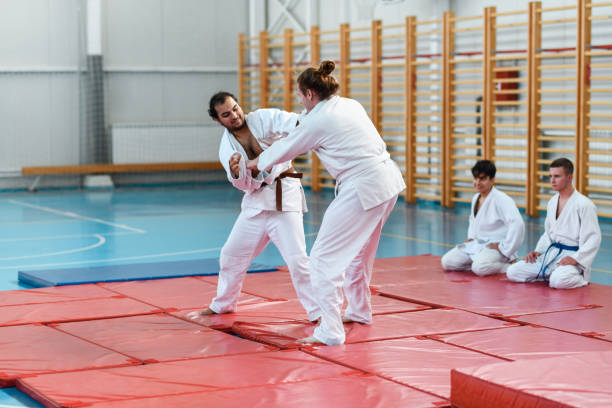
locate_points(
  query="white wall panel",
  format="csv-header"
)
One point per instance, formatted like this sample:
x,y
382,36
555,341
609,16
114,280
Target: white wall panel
x,y
134,97
133,34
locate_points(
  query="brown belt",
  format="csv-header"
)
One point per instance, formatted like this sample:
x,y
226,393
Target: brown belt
x,y
279,186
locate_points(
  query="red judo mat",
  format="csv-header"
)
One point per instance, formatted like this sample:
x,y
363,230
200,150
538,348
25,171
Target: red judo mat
x,y
421,363
35,349
383,327
176,293
159,337
180,360
581,380
178,377
492,296
348,391
278,286
420,268
592,322
525,342
53,294
73,310
270,285
284,311
262,312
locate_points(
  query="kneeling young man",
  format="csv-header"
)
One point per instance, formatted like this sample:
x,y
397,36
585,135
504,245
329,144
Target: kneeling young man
x,y
272,205
495,232
566,250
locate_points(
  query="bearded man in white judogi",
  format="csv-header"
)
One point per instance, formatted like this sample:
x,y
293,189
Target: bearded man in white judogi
x,y
272,206
565,252
496,229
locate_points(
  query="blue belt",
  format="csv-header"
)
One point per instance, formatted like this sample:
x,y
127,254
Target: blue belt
x,y
560,247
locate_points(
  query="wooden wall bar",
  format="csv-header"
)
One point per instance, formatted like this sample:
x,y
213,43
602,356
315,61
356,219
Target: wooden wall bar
x,y
441,105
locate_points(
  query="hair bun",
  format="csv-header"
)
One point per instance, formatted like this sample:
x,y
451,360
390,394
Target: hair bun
x,y
327,67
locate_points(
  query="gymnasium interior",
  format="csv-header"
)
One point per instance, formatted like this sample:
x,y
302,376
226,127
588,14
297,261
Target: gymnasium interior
x,y
115,207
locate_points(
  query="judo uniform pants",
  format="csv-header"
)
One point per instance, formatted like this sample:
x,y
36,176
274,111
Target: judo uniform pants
x,y
248,238
487,262
342,258
559,277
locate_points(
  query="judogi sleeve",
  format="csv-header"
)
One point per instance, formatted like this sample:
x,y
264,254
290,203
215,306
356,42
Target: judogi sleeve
x,y
272,124
589,235
282,124
303,138
244,181
516,228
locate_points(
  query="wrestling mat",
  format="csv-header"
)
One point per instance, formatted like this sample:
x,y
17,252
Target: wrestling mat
x,y
437,339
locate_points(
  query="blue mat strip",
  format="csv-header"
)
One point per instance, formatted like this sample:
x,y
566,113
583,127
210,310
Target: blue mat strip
x,y
118,273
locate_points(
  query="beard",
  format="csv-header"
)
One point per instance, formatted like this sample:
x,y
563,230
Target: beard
x,y
233,128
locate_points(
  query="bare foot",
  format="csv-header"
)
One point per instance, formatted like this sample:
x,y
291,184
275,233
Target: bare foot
x,y
207,311
309,340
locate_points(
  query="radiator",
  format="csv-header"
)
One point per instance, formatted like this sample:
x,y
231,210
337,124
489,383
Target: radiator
x,y
165,142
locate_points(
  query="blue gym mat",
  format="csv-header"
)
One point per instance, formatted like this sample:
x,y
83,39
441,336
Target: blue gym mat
x,y
117,273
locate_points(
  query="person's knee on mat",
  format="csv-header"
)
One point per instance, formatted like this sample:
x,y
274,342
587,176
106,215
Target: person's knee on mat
x,y
450,264
515,272
484,268
566,277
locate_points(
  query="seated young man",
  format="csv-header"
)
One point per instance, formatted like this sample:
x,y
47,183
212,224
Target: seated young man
x,y
495,232
571,239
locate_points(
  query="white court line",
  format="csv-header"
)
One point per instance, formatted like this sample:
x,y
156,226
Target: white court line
x,y
127,258
108,234
74,215
101,241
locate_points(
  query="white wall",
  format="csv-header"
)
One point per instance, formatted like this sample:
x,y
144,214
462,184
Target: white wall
x,y
164,58
162,61
329,14
38,83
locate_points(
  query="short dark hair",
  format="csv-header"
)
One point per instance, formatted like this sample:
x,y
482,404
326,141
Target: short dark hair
x,y
485,167
565,163
218,99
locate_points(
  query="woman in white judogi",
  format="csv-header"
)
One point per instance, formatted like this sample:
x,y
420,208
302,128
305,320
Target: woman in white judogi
x,y
496,230
260,221
565,252
368,182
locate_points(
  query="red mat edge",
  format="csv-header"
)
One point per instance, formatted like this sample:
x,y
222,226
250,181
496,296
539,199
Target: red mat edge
x,y
153,361
591,334
51,322
110,294
435,337
312,349
482,400
49,402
